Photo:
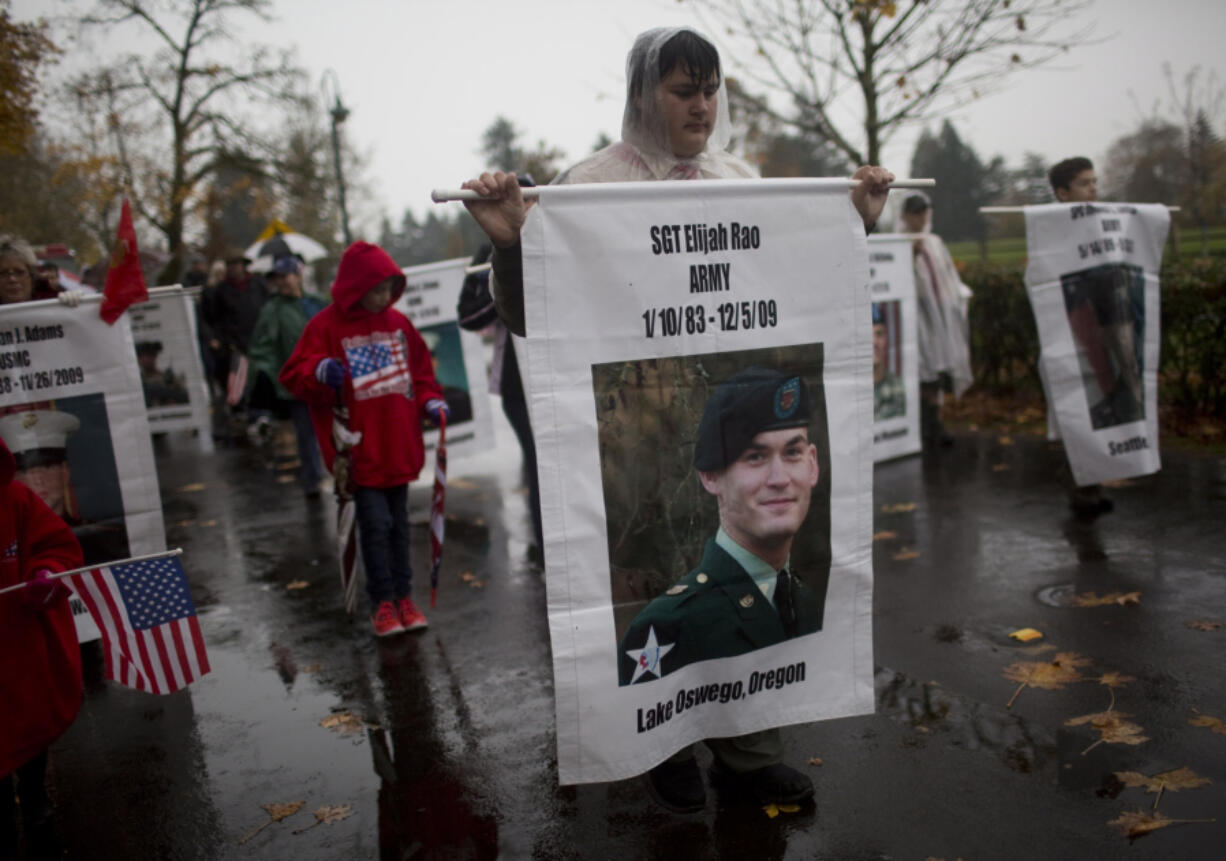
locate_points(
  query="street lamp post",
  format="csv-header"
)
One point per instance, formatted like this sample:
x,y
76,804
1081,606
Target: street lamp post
x,y
338,113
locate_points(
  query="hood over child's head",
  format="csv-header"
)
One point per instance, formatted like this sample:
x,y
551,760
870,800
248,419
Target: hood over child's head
x,y
364,266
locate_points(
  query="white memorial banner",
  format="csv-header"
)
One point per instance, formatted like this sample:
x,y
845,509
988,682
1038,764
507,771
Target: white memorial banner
x,y
895,348
429,301
1092,279
73,415
168,355
649,307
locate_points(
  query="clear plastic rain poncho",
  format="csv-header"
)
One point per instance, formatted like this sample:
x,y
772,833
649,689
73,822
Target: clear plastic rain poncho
x,y
943,328
643,153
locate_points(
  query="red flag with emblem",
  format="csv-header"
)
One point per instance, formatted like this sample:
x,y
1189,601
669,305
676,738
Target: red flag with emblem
x,y
125,283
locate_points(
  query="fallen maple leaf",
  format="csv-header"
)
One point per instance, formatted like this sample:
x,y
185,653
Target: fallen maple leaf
x,y
1203,625
1112,728
1025,635
1050,675
467,576
1215,724
905,554
884,535
191,488
1091,599
1114,679
1136,823
816,761
276,812
773,810
343,722
1000,467
326,815
898,508
1174,780
297,584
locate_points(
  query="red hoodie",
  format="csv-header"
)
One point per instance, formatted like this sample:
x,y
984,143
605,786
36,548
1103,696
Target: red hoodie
x,y
391,376
40,671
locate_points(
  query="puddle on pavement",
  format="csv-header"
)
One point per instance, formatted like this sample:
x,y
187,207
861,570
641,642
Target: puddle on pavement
x,y
934,711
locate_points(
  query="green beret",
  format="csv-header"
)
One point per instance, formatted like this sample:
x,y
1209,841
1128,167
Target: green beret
x,y
744,405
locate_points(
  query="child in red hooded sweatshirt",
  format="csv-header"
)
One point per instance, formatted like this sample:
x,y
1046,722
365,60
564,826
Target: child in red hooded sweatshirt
x,y
40,667
361,353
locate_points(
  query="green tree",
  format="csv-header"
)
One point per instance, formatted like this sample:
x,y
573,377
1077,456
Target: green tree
x,y
1146,165
501,149
892,63
24,46
178,111
963,182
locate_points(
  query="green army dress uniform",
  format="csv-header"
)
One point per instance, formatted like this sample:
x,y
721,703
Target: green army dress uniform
x,y
714,611
889,398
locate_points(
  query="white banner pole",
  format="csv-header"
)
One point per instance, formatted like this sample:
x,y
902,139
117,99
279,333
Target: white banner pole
x,y
444,195
178,551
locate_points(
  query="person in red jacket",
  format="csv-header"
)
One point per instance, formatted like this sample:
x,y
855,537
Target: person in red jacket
x,y
40,674
362,354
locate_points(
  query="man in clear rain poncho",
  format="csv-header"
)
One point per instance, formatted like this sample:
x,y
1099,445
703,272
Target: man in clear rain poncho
x,y
943,332
675,127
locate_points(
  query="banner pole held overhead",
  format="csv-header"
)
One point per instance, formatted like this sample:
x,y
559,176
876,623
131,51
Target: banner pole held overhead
x,y
445,195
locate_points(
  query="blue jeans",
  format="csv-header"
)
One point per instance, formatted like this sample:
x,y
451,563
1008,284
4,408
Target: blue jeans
x,y
383,536
310,470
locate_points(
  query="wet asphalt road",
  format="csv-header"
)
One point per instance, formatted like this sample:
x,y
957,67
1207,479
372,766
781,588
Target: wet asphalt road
x,y
455,758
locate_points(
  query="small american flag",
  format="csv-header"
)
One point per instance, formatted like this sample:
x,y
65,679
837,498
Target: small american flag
x,y
236,382
378,364
148,622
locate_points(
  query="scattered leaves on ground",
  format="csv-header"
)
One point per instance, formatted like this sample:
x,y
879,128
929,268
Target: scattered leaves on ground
x,y
276,812
1203,625
1137,823
1025,635
816,761
1050,675
773,810
898,508
1213,723
328,814
297,584
467,576
1091,599
1001,467
1114,679
191,488
904,554
1112,727
185,523
884,535
345,723
1167,781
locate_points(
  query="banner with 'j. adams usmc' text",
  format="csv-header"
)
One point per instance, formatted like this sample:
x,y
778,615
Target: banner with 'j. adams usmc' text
x,y
1092,278
73,414
699,364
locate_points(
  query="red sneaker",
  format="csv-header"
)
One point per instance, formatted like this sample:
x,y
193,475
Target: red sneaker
x,y
386,620
411,619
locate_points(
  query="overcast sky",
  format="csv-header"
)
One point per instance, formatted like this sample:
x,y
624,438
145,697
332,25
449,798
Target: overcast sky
x,y
424,78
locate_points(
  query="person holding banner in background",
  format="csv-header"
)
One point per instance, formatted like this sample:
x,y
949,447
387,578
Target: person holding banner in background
x,y
363,355
1074,181
675,126
943,332
19,280
40,675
